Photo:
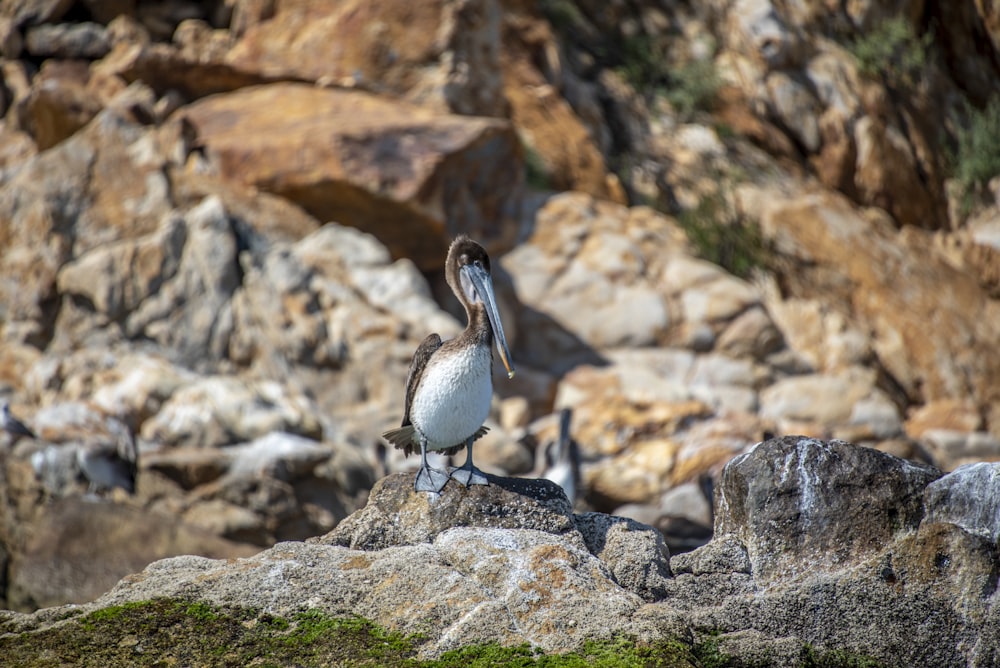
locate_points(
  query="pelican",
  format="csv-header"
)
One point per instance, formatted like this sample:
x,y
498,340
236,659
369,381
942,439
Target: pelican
x,y
450,384
562,458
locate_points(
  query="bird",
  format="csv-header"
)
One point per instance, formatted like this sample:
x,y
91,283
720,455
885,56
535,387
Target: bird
x,y
11,424
562,458
112,460
450,384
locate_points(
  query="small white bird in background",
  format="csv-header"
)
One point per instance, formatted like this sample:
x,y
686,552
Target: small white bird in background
x,y
562,459
11,424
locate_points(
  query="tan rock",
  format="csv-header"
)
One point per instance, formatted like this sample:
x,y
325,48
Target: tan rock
x,y
564,146
410,176
889,283
221,410
959,415
438,54
592,277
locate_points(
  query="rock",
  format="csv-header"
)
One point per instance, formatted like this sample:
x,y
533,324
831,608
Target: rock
x,y
635,553
846,403
439,55
967,498
80,549
216,411
62,100
69,41
36,12
929,348
396,515
166,68
473,584
584,260
189,467
814,491
488,585
410,177
276,455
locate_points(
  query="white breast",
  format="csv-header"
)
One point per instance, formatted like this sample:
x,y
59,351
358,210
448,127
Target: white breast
x,y
453,398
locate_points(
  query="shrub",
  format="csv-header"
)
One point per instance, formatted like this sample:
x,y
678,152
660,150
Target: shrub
x,y
892,50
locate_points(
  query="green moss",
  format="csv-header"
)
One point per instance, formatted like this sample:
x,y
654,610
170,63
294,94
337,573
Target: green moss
x,y
710,655
168,632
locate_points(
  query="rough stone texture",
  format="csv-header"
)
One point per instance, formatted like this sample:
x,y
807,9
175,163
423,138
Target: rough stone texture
x,y
969,498
396,515
140,278
441,55
934,349
635,553
485,583
834,502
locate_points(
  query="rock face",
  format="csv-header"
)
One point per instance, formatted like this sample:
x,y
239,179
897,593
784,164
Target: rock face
x,y
835,503
517,566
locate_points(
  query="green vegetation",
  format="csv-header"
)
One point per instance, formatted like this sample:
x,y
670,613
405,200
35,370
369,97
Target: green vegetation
x,y
693,87
892,50
536,172
167,632
977,156
614,654
690,87
719,237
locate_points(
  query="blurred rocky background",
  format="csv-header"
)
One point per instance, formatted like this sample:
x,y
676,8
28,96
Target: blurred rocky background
x,y
222,226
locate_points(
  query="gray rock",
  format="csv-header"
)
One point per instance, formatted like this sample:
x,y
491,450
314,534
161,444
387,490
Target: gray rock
x,y
277,455
70,41
470,585
472,566
969,498
635,553
799,504
396,515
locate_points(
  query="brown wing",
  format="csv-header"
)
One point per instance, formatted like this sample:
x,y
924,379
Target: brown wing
x,y
406,437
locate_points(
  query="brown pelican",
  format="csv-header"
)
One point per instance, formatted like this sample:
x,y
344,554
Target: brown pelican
x,y
450,384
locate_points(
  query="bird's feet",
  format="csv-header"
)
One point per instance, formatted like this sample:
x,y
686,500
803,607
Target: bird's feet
x,y
430,480
469,475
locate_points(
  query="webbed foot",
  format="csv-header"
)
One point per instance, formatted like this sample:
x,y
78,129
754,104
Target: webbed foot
x,y
430,480
469,475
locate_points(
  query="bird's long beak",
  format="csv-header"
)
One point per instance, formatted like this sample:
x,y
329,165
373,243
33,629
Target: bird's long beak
x,y
484,286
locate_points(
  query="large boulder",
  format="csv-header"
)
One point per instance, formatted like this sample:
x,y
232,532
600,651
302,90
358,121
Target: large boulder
x,y
410,176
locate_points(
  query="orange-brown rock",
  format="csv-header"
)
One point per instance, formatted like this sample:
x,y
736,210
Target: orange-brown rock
x,y
412,177
443,55
893,283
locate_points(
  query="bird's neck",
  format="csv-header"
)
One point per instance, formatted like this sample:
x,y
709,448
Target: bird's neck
x,y
479,324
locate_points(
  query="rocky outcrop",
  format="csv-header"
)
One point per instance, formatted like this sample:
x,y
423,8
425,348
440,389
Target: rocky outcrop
x,y
222,226
516,566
